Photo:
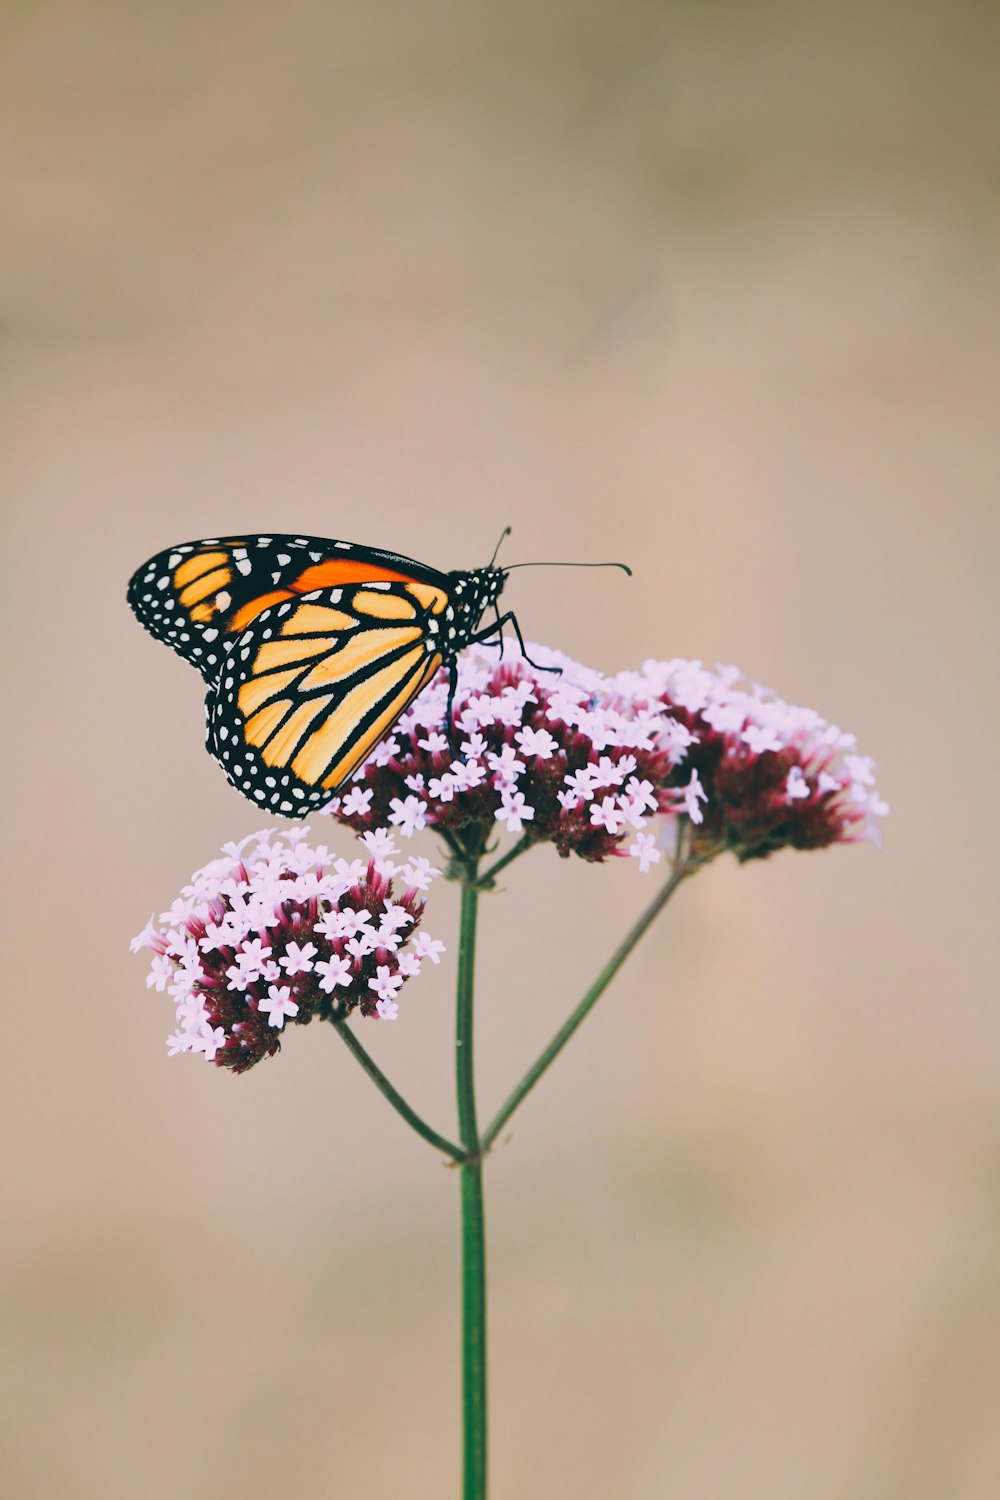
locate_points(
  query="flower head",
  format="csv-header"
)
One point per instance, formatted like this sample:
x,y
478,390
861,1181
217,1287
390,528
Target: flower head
x,y
759,774
556,754
592,764
278,931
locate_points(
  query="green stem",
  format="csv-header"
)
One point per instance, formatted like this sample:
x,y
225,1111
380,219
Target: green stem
x,y
490,874
681,871
395,1098
452,843
473,1233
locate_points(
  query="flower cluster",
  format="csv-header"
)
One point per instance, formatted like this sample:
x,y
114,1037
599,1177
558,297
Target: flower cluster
x,y
760,774
280,930
555,754
593,764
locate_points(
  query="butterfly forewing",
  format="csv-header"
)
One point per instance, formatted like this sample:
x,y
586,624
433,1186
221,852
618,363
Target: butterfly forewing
x,y
312,684
198,596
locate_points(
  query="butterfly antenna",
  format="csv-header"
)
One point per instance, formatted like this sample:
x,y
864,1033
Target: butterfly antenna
x,y
624,566
503,537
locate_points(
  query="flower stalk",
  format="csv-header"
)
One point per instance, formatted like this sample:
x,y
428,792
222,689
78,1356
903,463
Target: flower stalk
x,y
488,878
546,1058
395,1098
471,1183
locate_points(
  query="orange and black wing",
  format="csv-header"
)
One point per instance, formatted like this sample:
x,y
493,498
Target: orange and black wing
x,y
198,597
314,682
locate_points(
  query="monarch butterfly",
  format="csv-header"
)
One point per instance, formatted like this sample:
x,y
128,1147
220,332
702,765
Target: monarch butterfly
x,y
311,649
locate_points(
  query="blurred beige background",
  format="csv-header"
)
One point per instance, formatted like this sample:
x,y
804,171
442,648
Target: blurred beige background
x,y
709,287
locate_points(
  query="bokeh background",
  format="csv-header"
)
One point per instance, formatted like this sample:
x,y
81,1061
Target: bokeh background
x,y
709,287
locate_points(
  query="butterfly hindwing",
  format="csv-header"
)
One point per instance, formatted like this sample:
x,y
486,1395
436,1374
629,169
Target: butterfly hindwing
x,y
198,596
313,683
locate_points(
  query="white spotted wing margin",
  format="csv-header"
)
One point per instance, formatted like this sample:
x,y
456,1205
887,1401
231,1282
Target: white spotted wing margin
x,y
312,685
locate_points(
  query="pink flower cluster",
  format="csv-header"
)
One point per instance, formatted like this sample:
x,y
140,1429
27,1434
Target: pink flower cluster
x,y
594,764
557,755
761,774
280,930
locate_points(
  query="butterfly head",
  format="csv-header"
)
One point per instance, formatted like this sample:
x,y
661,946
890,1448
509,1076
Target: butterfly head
x,y
472,595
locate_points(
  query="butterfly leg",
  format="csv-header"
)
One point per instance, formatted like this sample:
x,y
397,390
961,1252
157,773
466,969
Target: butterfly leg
x,y
450,711
498,627
510,618
492,635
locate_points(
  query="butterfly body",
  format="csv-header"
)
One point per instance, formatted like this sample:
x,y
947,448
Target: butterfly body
x,y
311,649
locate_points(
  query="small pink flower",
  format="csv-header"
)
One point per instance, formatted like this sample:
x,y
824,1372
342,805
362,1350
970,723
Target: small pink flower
x,y
606,814
385,984
407,814
692,796
333,971
277,1004
428,947
513,811
645,851
298,960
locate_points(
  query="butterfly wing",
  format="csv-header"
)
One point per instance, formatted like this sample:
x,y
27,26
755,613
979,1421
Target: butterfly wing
x,y
313,683
198,597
